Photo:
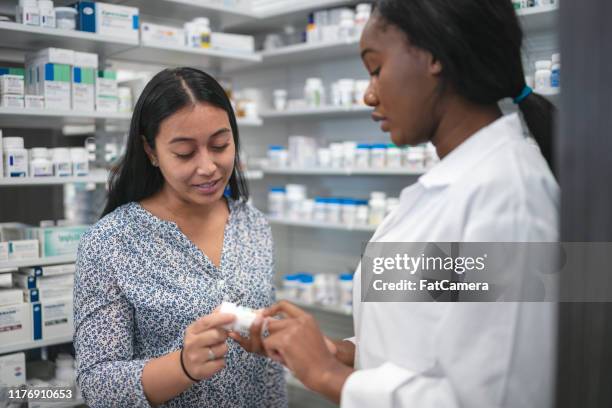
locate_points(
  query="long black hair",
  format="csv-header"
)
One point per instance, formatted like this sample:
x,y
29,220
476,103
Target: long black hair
x,y
479,45
171,90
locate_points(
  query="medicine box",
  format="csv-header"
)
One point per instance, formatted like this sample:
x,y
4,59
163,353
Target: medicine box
x,y
86,17
107,91
12,101
11,84
3,251
15,324
53,82
117,21
155,34
13,369
52,318
42,282
57,241
13,231
10,297
51,55
83,89
46,294
24,249
12,71
48,270
85,60
34,102
6,280
232,42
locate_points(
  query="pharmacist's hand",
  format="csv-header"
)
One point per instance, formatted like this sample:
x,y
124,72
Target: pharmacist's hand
x,y
297,342
252,343
204,346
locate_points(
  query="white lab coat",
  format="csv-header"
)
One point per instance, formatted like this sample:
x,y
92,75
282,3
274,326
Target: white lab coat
x,y
494,187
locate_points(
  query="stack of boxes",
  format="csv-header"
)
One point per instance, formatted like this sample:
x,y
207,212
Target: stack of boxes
x,y
67,79
11,87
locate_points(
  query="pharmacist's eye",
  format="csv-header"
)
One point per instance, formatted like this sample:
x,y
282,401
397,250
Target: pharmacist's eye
x,y
220,148
376,72
183,156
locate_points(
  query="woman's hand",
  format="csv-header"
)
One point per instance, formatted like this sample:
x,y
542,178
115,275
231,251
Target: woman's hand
x,y
204,346
299,344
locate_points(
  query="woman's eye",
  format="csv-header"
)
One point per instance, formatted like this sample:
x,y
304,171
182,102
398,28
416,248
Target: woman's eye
x,y
376,72
183,156
220,148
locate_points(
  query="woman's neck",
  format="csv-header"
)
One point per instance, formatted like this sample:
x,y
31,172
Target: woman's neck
x,y
169,206
459,121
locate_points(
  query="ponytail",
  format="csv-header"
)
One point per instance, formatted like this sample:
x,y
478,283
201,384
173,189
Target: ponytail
x,y
539,114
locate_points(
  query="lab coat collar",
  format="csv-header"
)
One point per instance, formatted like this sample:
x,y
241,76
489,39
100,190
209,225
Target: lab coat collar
x,y
472,151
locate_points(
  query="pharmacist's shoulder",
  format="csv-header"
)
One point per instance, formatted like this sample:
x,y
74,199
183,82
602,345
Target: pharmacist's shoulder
x,y
249,216
108,231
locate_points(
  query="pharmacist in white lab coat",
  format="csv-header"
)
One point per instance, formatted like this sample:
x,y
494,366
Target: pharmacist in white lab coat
x,y
438,69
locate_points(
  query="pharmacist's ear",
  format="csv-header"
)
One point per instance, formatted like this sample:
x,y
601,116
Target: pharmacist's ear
x,y
150,152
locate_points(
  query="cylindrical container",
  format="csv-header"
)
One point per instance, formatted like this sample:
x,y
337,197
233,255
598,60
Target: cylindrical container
x,y
346,92
394,157
276,202
337,155
47,13
276,158
345,283
203,27
325,289
125,99
296,194
415,158
555,78
362,156
324,157
349,211
378,156
349,149
320,209
245,317
362,216
80,161
65,18
62,163
543,76
314,92
378,207
307,209
40,165
291,287
15,157
334,210
307,289
280,99
346,30
192,35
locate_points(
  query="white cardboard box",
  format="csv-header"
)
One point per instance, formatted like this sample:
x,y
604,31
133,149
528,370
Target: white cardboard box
x,y
85,60
51,56
46,294
24,249
11,84
156,34
12,101
232,42
13,370
3,245
6,280
11,297
34,102
117,21
52,319
42,282
15,324
49,270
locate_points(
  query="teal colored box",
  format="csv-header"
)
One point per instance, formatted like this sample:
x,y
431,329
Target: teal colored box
x,y
58,241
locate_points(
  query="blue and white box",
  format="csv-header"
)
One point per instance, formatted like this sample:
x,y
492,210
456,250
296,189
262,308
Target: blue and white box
x,y
117,21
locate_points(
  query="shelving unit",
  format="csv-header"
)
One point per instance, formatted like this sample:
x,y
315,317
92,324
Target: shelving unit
x,y
26,263
321,225
324,112
55,119
96,178
290,171
12,348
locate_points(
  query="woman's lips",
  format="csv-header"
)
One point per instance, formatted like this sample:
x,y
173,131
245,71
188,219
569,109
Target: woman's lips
x,y
207,188
384,121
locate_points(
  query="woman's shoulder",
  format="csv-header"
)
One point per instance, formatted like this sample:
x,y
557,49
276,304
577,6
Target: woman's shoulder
x,y
248,214
109,228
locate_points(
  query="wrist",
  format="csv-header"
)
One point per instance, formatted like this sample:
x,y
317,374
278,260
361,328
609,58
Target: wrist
x,y
183,369
330,380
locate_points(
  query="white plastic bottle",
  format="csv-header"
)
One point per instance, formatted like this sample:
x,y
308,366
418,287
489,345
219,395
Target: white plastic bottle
x,y
40,165
314,92
394,157
555,78
290,287
362,156
62,164
80,161
47,13
345,282
276,202
543,77
378,156
203,24
245,317
15,157
378,207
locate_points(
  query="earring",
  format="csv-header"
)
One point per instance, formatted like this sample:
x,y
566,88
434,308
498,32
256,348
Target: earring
x,y
154,163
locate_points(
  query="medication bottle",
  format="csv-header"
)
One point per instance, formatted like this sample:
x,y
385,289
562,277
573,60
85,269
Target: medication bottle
x,y
415,158
15,157
364,10
280,99
245,317
555,78
307,209
543,76
337,155
320,209
349,154
192,35
291,287
47,13
65,18
349,211
80,161
378,156
28,13
204,31
296,194
40,165
346,92
346,29
324,157
362,156
307,288
276,202
345,281
378,207
334,210
277,156
394,157
362,216
314,92
325,289
62,163
125,99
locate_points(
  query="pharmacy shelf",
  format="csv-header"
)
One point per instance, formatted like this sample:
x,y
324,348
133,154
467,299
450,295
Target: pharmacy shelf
x,y
249,122
185,56
48,118
539,19
254,175
340,172
12,348
28,38
314,113
96,178
25,263
321,225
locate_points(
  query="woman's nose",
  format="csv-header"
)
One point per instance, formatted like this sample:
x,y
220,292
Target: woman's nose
x,y
370,98
206,167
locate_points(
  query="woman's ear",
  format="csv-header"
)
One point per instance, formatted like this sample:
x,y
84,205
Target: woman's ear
x,y
435,66
150,152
